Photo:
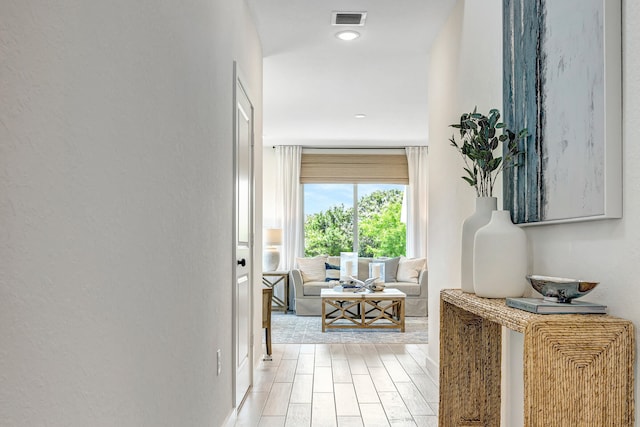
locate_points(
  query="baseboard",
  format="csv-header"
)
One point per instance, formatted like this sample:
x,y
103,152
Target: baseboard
x,y
434,370
231,419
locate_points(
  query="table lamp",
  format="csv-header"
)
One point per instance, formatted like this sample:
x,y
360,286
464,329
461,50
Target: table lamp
x,y
271,254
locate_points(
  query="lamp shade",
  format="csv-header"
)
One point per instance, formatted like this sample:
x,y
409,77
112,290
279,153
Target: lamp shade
x,y
273,236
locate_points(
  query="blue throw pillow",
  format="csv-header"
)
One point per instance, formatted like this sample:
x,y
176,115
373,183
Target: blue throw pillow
x,y
332,272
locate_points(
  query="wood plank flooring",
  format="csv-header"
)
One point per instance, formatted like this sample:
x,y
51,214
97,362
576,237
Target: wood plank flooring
x,y
342,385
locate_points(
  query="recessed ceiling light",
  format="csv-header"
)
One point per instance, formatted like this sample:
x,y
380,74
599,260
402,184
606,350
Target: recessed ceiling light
x,y
360,116
348,35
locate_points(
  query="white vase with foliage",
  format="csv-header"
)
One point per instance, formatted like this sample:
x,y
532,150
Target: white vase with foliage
x,y
500,260
480,218
479,141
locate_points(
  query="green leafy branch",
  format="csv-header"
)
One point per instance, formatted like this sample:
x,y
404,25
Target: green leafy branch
x,y
478,141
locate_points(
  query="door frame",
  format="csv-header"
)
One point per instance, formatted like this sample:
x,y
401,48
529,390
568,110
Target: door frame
x,y
238,80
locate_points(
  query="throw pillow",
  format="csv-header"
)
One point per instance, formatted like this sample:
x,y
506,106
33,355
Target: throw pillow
x,y
332,272
390,268
409,269
312,269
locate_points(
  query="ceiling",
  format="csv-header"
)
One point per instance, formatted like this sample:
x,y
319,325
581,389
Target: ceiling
x,y
314,83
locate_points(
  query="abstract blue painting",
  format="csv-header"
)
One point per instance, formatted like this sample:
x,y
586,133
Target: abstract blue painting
x,y
562,82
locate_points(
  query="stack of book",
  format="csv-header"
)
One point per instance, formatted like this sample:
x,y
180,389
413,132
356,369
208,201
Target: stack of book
x,y
344,287
541,306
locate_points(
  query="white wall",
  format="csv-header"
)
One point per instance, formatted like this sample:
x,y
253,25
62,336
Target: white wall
x,y
465,71
606,250
115,209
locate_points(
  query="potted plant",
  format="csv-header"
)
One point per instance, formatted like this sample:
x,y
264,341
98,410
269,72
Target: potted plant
x,y
480,138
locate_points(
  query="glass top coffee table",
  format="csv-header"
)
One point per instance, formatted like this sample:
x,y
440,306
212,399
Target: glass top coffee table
x,y
363,310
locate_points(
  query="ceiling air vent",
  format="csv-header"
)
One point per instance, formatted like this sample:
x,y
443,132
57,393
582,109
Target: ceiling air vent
x,y
348,18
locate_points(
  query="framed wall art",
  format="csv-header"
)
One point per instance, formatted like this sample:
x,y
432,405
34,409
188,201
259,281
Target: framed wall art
x,y
562,81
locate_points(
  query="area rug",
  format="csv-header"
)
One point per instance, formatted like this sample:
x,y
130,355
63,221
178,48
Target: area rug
x,y
292,329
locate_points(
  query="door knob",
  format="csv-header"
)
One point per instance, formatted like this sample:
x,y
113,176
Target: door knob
x,y
242,262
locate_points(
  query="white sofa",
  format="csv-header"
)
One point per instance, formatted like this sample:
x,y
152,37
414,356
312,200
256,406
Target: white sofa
x,y
307,292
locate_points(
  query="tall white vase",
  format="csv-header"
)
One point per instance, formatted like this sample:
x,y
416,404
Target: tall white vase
x,y
500,258
480,218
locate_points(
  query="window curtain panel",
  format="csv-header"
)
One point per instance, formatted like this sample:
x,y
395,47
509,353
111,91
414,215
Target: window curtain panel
x,y
417,202
289,203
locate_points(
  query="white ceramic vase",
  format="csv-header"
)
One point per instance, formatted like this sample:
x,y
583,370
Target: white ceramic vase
x,y
500,258
480,218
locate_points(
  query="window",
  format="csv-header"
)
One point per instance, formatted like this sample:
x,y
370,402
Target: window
x,y
364,218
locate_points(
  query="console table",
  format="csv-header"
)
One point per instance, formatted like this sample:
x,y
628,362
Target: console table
x,y
272,278
578,369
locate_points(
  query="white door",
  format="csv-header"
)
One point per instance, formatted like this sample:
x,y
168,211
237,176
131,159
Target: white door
x,y
243,153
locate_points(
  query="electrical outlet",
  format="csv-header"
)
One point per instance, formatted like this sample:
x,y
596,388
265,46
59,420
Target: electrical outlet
x,y
219,361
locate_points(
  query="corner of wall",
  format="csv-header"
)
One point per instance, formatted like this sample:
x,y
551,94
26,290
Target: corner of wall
x,y
464,71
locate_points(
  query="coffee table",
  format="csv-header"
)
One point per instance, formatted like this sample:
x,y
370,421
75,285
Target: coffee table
x,y
363,310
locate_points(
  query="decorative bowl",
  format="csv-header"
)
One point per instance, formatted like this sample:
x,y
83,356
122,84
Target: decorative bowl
x,y
560,289
377,287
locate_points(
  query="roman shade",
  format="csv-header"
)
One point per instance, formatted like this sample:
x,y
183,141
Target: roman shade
x,y
354,168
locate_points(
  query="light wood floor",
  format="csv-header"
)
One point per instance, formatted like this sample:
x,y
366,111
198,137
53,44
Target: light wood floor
x,y
346,385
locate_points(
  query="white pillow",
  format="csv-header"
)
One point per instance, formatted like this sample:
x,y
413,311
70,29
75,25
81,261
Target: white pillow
x,y
312,269
409,269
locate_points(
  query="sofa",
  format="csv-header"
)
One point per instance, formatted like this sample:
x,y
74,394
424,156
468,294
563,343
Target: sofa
x,y
408,275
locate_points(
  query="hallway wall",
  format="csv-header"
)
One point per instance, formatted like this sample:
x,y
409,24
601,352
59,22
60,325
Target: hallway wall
x,y
465,71
115,209
606,250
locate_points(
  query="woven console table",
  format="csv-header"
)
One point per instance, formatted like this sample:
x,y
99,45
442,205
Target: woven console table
x,y
578,369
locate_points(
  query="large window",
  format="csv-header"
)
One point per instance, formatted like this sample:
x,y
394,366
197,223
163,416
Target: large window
x,y
364,218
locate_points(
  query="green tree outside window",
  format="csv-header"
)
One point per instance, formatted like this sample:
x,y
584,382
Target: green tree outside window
x,y
381,232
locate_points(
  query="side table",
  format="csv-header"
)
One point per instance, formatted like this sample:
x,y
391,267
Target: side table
x,y
272,278
578,369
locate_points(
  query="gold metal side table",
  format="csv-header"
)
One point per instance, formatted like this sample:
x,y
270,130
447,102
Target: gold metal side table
x,y
578,369
273,278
